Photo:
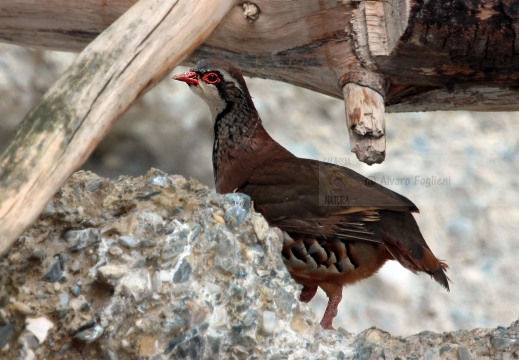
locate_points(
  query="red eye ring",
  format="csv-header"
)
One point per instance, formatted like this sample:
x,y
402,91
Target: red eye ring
x,y
211,78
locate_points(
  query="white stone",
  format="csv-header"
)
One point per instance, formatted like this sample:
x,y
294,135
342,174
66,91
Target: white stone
x,y
39,327
268,322
136,283
112,272
261,227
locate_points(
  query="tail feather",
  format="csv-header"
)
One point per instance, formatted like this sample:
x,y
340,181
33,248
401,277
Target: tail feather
x,y
440,276
406,244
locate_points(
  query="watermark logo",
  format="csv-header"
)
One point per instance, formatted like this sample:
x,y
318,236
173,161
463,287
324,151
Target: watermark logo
x,y
425,181
370,181
333,187
338,160
337,188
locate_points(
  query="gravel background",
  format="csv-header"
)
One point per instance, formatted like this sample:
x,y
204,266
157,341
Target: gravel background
x,y
471,221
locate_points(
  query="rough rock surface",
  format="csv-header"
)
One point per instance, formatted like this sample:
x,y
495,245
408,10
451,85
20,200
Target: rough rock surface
x,y
161,267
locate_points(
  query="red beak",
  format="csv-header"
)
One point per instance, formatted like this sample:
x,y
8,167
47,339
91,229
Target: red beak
x,y
189,77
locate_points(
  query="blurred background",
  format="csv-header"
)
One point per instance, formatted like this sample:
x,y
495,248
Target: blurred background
x,y
460,168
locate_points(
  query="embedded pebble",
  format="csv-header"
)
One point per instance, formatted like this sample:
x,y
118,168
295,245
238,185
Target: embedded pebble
x,y
260,225
127,241
115,251
219,218
15,258
75,290
500,343
464,353
55,272
226,260
110,273
64,299
90,335
213,288
78,302
3,316
80,239
109,355
21,308
250,317
149,225
38,254
183,272
165,275
39,327
137,283
61,312
240,207
29,355
6,332
268,322
156,281
49,209
172,249
159,180
449,352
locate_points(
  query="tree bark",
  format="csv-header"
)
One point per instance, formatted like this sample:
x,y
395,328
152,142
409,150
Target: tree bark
x,y
429,51
435,55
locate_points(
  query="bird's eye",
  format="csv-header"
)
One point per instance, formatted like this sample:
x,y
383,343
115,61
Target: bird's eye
x,y
211,78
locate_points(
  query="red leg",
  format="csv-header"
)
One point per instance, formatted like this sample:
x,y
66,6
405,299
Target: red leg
x,y
331,310
307,293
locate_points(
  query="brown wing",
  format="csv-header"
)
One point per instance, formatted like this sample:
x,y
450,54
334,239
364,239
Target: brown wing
x,y
313,198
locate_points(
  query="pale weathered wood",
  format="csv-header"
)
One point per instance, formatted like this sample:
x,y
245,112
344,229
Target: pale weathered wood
x,y
363,88
482,98
430,46
67,25
366,123
420,53
289,40
311,50
300,42
376,29
62,130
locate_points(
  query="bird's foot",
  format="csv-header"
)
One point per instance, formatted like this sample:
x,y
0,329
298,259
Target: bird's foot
x,y
331,311
307,293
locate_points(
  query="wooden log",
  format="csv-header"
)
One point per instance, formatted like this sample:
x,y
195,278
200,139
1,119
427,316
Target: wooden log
x,y
364,89
364,93
58,134
428,50
432,56
366,123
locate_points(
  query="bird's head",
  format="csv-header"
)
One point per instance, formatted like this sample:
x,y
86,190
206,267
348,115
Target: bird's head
x,y
218,83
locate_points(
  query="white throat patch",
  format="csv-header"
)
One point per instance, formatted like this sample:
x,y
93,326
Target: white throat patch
x,y
209,93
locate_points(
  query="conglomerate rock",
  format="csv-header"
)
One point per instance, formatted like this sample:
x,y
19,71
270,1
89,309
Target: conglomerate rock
x,y
161,267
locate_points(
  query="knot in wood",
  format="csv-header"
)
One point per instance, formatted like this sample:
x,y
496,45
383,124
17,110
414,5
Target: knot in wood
x,y
251,11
